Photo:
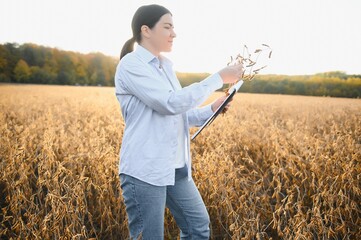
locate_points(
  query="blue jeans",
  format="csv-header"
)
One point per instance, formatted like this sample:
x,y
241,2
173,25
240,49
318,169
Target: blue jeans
x,y
145,206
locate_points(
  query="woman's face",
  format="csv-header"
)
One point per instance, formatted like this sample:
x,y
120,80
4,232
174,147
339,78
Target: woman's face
x,y
160,37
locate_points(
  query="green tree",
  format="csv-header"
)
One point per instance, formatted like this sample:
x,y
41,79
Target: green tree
x,y
9,52
40,75
81,74
22,71
3,66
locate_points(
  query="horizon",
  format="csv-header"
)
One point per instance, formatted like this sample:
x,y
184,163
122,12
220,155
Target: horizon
x,y
96,52
307,37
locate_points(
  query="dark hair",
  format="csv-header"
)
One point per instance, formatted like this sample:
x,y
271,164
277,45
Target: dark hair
x,y
147,15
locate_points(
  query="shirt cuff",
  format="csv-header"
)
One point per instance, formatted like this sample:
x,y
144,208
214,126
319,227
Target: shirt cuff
x,y
214,81
206,111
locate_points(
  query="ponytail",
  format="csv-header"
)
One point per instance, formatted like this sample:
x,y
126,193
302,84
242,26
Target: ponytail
x,y
127,47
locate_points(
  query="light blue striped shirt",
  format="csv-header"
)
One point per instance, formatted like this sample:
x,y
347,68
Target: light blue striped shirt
x,y
152,101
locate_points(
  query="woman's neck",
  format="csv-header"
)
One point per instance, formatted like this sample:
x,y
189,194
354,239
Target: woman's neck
x,y
150,48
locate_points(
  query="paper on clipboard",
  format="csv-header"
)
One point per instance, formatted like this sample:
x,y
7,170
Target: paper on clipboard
x,y
231,92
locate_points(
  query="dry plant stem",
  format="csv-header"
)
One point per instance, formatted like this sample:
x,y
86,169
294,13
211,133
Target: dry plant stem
x,y
249,63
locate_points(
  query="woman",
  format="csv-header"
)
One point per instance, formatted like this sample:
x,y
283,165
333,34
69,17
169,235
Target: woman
x,y
155,162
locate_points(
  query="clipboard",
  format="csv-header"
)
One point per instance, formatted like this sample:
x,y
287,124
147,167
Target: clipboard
x,y
231,92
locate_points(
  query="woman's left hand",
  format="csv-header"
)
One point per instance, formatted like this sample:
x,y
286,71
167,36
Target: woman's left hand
x,y
218,103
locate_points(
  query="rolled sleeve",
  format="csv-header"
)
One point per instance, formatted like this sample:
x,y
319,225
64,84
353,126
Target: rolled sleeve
x,y
198,116
214,81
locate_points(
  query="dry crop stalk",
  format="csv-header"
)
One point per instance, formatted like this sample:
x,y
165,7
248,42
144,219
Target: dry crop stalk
x,y
249,61
285,172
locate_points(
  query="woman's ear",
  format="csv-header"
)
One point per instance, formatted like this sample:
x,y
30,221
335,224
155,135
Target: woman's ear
x,y
145,31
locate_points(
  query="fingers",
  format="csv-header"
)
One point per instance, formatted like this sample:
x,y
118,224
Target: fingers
x,y
239,70
231,74
225,109
218,102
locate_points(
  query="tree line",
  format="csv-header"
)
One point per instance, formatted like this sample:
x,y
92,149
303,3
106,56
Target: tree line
x,y
31,63
333,84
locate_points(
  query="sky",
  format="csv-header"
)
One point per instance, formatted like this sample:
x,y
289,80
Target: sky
x,y
306,36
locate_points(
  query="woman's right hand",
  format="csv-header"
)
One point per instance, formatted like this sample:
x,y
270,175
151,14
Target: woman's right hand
x,y
231,74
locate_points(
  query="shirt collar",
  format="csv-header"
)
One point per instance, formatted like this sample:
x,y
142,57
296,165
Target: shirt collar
x,y
148,57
